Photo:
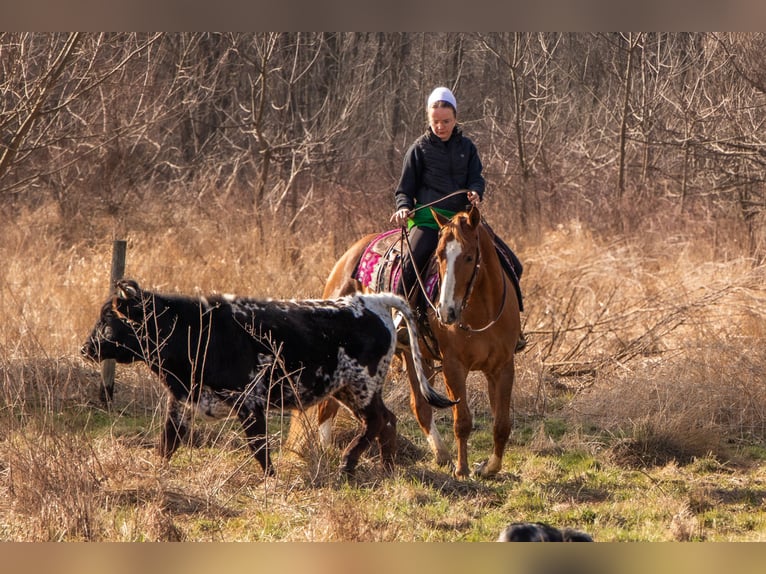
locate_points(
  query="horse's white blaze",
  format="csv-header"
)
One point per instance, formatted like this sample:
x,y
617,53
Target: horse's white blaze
x,y
447,291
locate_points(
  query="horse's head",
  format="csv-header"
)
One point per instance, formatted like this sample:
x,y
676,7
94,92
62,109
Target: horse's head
x,y
457,255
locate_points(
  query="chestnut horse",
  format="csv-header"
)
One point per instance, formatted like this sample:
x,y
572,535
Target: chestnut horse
x,y
476,325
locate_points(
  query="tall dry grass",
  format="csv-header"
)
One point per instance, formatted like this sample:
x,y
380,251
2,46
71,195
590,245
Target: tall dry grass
x,y
652,338
655,339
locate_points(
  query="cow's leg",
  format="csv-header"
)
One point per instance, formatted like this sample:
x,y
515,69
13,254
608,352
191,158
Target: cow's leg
x,y
500,387
373,420
424,412
454,378
176,428
387,439
326,411
253,419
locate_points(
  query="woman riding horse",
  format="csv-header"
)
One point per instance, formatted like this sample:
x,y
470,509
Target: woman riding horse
x,y
438,164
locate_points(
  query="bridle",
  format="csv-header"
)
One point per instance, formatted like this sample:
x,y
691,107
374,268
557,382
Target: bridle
x,y
471,281
469,292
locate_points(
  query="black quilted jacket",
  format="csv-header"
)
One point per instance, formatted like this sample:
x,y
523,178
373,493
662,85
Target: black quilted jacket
x,y
433,169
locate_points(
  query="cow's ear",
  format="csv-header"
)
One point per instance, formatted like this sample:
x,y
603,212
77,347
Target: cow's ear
x,y
127,289
116,309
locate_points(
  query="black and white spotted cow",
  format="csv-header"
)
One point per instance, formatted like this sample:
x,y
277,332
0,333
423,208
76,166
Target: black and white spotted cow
x,y
224,354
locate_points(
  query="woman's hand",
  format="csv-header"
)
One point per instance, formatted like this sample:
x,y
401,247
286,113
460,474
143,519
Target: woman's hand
x,y
474,198
400,217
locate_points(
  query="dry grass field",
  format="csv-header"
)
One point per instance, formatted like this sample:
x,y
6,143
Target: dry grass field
x,y
639,409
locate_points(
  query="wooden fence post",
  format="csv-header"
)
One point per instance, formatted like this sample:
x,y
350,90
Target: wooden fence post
x,y
119,249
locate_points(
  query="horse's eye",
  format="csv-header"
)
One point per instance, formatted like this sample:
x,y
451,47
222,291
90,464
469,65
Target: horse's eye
x,y
469,258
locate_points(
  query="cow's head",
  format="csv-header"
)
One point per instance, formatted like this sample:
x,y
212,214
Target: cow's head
x,y
120,332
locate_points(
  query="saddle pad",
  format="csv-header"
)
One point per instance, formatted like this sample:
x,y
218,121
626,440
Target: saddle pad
x,y
374,257
379,267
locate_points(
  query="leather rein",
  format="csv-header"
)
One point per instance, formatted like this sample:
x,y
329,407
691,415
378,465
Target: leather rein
x,y
469,292
469,289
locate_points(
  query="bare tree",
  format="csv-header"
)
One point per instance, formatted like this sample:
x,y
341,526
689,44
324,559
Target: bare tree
x,y
633,42
290,125
35,95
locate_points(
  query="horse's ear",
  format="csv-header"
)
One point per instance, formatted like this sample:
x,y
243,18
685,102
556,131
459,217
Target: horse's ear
x,y
440,219
127,289
474,217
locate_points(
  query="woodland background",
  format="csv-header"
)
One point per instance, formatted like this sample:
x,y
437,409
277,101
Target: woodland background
x,y
615,130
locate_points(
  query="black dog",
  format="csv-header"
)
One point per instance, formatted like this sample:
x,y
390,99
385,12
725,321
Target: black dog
x,y
541,532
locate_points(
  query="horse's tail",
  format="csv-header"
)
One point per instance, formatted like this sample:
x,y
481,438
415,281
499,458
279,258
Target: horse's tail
x,y
432,396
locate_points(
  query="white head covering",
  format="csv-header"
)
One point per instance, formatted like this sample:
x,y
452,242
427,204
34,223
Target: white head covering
x,y
444,94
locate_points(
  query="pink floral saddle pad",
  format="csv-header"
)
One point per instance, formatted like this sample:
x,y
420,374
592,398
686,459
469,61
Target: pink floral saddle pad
x,y
380,266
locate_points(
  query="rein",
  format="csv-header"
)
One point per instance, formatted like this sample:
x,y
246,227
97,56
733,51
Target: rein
x,y
405,240
453,194
469,292
468,295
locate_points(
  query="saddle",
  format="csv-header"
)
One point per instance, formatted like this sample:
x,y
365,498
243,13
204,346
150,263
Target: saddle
x,y
380,269
380,266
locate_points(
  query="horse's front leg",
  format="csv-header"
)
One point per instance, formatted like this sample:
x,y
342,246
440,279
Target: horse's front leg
x,y
305,423
454,378
424,412
326,412
500,388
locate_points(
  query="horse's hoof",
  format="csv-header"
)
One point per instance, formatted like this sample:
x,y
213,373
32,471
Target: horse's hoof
x,y
444,460
461,473
482,470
